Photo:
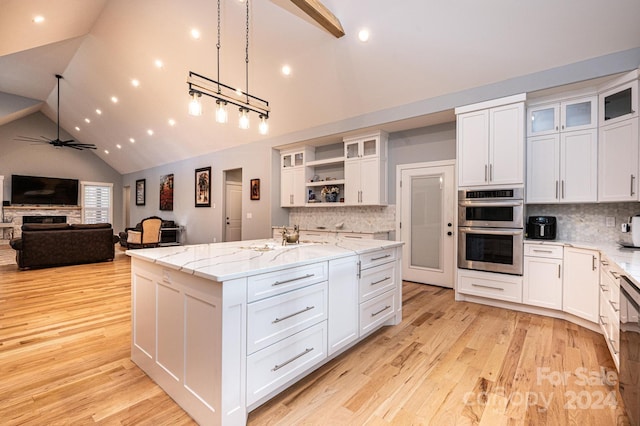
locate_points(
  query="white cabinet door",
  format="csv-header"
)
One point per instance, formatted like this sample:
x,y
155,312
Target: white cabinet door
x,y
286,187
580,283
343,303
506,146
542,285
473,148
618,161
352,182
579,166
543,173
370,179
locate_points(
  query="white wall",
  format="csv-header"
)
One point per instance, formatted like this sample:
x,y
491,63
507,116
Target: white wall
x,y
41,159
205,224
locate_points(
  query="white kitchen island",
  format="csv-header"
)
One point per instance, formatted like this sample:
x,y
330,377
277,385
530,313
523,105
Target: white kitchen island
x,y
224,327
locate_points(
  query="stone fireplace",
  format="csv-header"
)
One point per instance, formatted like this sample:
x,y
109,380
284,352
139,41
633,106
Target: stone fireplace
x,y
17,215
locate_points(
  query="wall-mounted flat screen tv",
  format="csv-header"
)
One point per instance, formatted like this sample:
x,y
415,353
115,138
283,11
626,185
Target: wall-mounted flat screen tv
x,y
44,190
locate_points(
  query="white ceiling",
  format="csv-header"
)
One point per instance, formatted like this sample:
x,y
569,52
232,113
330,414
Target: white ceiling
x,y
418,50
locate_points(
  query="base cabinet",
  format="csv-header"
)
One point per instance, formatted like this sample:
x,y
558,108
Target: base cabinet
x,y
580,283
493,286
220,349
542,284
609,315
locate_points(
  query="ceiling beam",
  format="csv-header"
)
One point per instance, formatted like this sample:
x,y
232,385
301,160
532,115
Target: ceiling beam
x,y
323,16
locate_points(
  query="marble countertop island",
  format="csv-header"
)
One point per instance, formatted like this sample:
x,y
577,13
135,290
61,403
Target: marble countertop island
x,y
226,261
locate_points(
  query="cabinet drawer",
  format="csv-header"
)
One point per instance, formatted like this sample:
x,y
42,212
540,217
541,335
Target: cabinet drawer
x,y
377,258
494,286
543,250
273,283
376,311
273,319
274,366
377,280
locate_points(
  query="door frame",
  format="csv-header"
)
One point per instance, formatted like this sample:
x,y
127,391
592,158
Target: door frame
x,y
440,163
225,181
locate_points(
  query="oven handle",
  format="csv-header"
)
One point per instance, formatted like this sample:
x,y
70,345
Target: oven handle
x,y
490,231
467,203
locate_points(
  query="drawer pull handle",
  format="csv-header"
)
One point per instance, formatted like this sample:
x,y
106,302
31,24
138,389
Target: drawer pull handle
x,y
613,305
380,281
352,236
602,322
603,288
542,251
613,346
381,257
380,311
293,279
279,366
615,274
487,286
277,320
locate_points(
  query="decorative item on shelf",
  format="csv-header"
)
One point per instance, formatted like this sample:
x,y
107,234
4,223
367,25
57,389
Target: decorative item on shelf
x,y
223,94
330,194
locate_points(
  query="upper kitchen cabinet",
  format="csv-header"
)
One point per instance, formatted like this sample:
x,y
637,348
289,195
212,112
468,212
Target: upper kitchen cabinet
x,y
564,116
365,169
293,175
562,151
490,137
618,140
620,102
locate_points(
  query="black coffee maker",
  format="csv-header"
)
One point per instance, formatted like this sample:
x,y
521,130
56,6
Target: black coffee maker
x,y
541,228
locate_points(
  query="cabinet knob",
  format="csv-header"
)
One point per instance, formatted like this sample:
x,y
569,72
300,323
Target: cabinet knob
x,y
449,233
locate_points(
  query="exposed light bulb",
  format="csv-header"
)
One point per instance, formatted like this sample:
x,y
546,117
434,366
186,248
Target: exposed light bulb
x,y
263,126
244,119
195,106
222,116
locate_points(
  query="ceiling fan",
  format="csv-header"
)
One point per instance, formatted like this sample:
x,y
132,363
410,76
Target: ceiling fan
x,y
57,142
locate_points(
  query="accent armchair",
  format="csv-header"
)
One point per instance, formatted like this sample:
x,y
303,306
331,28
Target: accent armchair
x,y
147,236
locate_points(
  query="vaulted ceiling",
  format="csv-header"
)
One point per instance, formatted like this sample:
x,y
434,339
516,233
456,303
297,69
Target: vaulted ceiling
x,y
417,50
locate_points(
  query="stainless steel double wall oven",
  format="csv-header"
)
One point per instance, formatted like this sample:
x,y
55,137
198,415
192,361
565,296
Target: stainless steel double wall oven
x,y
490,230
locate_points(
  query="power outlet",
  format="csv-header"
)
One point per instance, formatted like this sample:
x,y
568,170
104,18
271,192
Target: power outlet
x,y
610,221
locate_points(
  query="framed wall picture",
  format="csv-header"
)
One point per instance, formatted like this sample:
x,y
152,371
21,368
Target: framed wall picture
x,y
141,185
166,192
203,187
255,189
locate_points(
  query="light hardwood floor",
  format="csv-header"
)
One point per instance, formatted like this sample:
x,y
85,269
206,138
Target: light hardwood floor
x,y
64,359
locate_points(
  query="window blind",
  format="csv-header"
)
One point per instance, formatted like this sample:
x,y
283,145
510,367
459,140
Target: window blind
x,y
96,206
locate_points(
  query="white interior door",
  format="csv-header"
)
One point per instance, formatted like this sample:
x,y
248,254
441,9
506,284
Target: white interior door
x,y
233,211
427,206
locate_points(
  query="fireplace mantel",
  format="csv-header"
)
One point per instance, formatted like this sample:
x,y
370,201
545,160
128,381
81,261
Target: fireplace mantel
x,y
38,207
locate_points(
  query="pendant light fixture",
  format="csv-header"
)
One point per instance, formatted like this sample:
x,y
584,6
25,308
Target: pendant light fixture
x,y
223,94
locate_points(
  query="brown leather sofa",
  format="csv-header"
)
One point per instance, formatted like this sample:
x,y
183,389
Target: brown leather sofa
x,y
46,245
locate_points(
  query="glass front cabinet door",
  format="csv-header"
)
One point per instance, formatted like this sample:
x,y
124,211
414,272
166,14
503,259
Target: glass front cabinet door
x,y
619,103
565,116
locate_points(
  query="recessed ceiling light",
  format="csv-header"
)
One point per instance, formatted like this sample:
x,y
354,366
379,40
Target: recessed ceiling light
x,y
195,33
132,140
114,99
86,120
77,128
38,19
172,122
150,132
363,35
286,70
99,111
158,63
106,151
135,83
118,146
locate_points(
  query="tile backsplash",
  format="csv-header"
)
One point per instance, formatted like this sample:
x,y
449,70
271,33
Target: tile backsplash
x,y
358,219
587,222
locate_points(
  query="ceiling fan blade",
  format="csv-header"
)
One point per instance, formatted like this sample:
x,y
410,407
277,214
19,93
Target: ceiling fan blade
x,y
74,147
70,140
30,139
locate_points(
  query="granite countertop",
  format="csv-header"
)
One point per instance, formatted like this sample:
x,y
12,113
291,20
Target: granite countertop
x,y
226,261
628,259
